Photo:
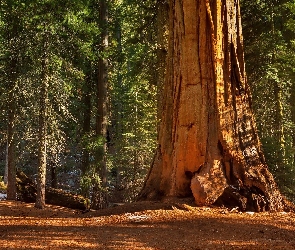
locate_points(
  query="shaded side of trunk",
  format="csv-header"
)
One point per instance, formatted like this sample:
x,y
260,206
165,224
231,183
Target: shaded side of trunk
x,y
208,144
251,185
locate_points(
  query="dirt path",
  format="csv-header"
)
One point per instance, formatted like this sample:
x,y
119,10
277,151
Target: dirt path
x,y
144,225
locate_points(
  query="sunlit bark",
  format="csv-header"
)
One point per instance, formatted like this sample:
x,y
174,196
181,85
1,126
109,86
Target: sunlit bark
x,y
208,144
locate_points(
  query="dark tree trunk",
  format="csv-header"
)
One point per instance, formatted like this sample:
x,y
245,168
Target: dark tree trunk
x,y
278,116
11,147
43,96
100,199
162,43
208,143
86,120
11,144
53,169
12,73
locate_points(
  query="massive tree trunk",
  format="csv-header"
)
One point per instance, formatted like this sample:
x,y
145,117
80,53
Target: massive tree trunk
x,y
208,144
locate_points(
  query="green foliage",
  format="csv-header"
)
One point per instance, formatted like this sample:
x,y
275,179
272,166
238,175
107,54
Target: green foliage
x,y
133,95
93,143
3,186
89,181
68,34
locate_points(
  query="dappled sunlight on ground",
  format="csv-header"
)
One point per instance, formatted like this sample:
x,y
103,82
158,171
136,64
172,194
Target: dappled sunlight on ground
x,y
144,225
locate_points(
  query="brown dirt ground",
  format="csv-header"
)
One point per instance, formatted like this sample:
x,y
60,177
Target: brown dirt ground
x,y
143,225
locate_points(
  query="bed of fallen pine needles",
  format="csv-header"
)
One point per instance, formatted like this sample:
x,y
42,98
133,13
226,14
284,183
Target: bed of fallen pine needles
x,y
143,225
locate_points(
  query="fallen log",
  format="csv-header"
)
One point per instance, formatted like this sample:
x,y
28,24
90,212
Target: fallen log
x,y
27,190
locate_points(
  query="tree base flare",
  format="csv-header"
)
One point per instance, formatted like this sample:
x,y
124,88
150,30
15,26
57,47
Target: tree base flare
x,y
210,187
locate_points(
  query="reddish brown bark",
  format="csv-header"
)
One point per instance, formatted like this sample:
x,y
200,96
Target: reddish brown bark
x,y
208,143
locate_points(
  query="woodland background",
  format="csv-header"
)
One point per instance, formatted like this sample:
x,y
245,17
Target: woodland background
x,y
69,34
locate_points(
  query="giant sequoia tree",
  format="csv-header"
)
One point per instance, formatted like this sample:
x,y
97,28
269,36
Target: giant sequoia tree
x,y
208,144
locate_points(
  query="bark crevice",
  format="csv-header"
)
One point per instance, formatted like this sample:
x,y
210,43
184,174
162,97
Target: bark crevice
x,y
208,140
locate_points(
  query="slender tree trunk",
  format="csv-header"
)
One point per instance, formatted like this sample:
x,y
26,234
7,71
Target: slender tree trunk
x,y
100,197
41,172
278,126
53,169
208,144
12,34
292,104
86,121
11,147
118,115
5,178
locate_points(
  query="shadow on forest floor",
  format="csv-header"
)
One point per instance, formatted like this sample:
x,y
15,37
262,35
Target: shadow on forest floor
x,y
143,226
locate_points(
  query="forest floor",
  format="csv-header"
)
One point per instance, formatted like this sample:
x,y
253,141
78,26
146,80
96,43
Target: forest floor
x,y
143,225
